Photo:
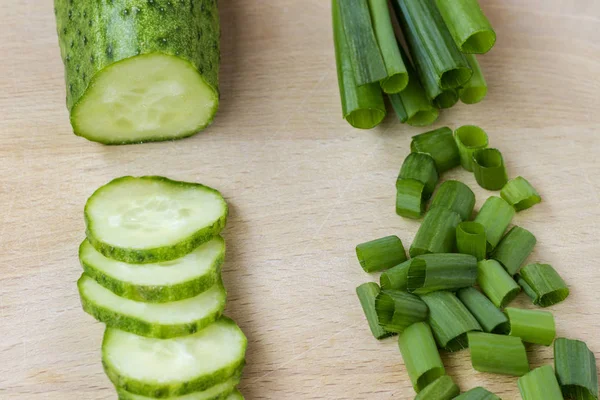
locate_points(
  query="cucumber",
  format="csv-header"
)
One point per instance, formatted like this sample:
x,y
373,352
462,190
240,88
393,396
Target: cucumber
x,y
235,395
139,70
164,320
163,368
151,219
174,280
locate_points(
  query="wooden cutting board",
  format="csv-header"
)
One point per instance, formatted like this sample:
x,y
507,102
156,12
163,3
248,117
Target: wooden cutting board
x,y
304,189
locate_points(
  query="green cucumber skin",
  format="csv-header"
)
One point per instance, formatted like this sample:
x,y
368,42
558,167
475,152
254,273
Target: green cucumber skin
x,y
159,254
155,294
160,390
94,35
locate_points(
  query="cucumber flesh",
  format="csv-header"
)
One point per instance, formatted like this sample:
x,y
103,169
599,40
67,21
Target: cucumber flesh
x,y
152,219
159,320
223,390
235,395
167,281
174,367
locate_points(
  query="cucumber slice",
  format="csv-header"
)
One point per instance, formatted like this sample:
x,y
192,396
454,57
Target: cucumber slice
x,y
174,367
167,281
151,219
235,395
164,320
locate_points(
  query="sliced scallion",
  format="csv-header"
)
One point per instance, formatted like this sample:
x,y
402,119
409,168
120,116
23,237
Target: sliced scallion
x,y
397,277
469,139
477,393
440,145
489,169
514,248
495,216
397,310
421,167
455,196
410,198
519,193
476,89
443,388
470,239
532,326
496,283
367,292
545,283
446,99
575,367
540,384
525,287
491,319
380,254
437,233
448,271
498,354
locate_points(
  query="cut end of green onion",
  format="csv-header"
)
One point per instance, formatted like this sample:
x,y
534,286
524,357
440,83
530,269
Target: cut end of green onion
x,y
365,118
519,193
455,77
397,310
367,293
470,239
540,384
469,138
397,277
380,254
547,287
498,354
479,42
472,94
443,388
532,326
421,167
477,393
439,144
410,198
576,371
488,166
395,83
446,98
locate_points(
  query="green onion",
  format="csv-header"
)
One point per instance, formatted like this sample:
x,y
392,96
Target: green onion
x,y
495,216
397,278
420,355
488,166
437,233
519,193
546,286
491,319
443,388
367,292
532,326
362,106
455,196
380,254
446,99
575,367
450,320
397,76
440,145
498,354
514,248
496,283
470,239
525,287
397,310
476,89
477,393
410,198
447,271
540,384
471,30
469,139
421,167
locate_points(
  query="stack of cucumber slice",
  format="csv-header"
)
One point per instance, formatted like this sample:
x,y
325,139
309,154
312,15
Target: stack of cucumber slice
x,y
152,273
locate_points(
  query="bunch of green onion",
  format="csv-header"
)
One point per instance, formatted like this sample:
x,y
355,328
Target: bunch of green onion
x,y
437,68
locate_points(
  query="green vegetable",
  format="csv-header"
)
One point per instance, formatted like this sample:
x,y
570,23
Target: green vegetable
x,y
468,25
495,216
498,354
477,393
235,395
532,326
397,277
544,283
491,319
367,293
519,193
440,145
421,167
441,272
496,283
410,198
443,388
174,367
469,139
139,71
470,239
157,320
362,106
540,384
437,233
397,310
420,355
514,248
380,254
575,367
489,169
455,196
446,99
475,90
151,219
450,320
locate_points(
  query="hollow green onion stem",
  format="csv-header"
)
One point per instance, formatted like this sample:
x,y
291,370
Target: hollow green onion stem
x,y
544,285
380,254
495,216
437,233
448,271
469,139
575,367
455,196
440,145
411,198
496,283
470,239
519,193
498,354
475,90
367,292
532,326
514,248
540,384
443,388
477,393
421,167
397,310
397,277
491,319
489,169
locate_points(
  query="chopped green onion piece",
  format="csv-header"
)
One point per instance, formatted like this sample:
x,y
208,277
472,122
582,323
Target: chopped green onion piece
x,y
397,310
449,271
519,193
525,287
488,166
450,320
367,292
440,145
471,30
540,384
410,198
362,106
532,326
421,167
575,367
455,196
446,99
397,278
498,354
397,76
443,388
476,89
545,283
420,355
495,216
514,248
469,139
477,393
491,319
470,239
437,233
380,254
496,283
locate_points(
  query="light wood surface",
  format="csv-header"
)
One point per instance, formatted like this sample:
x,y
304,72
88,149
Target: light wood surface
x,y
304,189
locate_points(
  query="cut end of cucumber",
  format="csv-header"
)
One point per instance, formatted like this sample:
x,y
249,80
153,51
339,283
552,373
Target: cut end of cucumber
x,y
220,391
145,98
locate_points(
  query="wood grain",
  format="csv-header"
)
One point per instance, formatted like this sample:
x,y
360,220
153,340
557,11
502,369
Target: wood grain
x,y
304,188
